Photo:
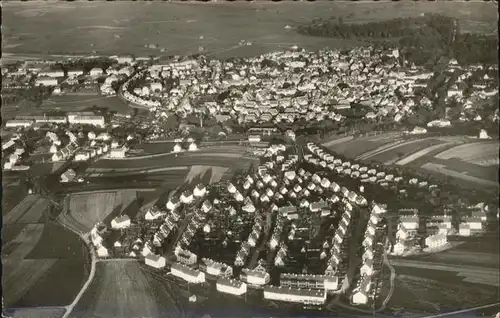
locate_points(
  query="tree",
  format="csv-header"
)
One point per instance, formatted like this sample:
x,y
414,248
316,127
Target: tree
x,y
192,119
172,122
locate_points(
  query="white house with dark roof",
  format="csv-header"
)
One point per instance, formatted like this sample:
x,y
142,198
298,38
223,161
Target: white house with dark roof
x,y
231,286
188,274
121,222
155,261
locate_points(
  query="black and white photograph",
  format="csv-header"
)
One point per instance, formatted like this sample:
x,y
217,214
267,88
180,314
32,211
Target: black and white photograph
x,y
250,159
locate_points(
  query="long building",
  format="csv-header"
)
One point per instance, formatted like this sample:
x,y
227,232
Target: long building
x,y
188,274
309,281
231,286
295,295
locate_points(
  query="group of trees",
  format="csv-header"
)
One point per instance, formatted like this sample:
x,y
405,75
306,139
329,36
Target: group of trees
x,y
422,38
87,64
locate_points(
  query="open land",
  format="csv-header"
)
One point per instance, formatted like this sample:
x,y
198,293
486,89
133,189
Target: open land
x,y
36,255
86,210
123,289
124,27
70,103
465,160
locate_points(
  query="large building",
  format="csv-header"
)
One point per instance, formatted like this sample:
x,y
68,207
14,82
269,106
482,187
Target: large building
x,y
309,281
15,123
296,295
93,120
255,276
188,274
155,261
231,286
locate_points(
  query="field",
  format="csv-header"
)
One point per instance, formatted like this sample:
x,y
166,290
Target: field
x,y
480,153
24,207
122,289
170,160
86,210
392,154
24,242
352,148
20,275
123,27
155,148
37,256
442,293
462,160
72,272
71,103
54,312
12,195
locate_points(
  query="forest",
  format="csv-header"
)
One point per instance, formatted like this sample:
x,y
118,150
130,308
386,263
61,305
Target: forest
x,y
421,39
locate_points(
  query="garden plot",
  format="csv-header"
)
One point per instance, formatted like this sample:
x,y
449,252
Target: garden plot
x,y
19,275
86,210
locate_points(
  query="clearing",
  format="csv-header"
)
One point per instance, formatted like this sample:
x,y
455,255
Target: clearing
x,y
86,210
123,289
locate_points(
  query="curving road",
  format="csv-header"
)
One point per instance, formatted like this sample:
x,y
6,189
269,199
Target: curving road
x,y
85,286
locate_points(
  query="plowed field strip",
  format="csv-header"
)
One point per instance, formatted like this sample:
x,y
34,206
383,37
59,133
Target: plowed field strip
x,y
19,276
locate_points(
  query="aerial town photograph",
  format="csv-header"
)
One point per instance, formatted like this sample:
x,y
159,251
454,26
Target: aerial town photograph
x,y
250,159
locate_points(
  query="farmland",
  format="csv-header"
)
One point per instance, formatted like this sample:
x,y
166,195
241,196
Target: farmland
x,y
49,312
123,289
481,153
354,147
70,271
20,275
71,103
420,294
170,160
12,194
125,28
86,210
391,155
463,160
19,210
25,241
58,242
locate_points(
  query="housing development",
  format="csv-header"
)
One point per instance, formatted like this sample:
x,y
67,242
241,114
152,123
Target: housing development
x,y
355,179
